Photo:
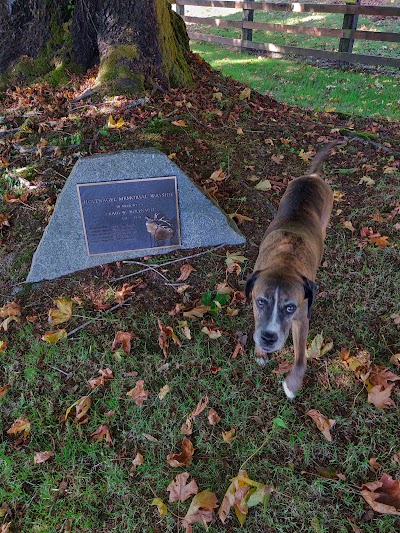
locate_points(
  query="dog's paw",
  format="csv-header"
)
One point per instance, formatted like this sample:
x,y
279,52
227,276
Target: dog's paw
x,y
288,392
262,361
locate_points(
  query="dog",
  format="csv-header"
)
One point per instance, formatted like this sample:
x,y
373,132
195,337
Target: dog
x,y
282,284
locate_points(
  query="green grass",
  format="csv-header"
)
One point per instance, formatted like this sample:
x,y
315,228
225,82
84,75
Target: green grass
x,y
368,93
299,83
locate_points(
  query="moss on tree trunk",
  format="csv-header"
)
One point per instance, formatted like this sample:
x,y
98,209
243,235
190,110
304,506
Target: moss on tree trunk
x,y
135,42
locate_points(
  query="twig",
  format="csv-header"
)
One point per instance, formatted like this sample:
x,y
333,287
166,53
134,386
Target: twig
x,y
166,263
150,267
365,140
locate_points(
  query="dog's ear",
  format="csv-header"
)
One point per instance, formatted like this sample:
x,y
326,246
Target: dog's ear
x,y
310,292
250,284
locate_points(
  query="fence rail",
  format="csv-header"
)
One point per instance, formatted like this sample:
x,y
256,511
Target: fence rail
x,y
347,34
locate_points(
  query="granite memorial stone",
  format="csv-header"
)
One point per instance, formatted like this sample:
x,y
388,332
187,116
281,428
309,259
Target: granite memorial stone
x,y
125,205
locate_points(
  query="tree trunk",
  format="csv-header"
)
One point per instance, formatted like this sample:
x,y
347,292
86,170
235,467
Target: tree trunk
x,y
135,42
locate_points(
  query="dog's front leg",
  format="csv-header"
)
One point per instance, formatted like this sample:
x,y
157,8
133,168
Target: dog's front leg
x,y
294,380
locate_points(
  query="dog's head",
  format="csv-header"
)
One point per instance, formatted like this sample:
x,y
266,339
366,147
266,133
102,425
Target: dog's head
x,y
278,299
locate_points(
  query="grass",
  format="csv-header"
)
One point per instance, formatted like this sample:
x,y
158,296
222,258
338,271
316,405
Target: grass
x,y
354,91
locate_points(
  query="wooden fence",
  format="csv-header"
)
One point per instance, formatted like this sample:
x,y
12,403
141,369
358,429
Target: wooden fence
x,y
346,34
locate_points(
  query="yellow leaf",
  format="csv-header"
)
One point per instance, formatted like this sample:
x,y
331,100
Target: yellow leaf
x,y
234,258
217,96
212,333
63,312
305,156
162,508
3,346
348,225
263,185
179,123
218,175
240,218
367,180
163,392
229,436
81,407
329,109
54,336
115,125
19,425
245,94
239,131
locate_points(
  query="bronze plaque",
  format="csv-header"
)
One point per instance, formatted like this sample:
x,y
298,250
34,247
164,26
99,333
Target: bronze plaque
x,y
129,215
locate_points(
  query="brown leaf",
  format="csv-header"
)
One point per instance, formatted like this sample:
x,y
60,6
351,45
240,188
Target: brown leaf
x,y
63,312
3,347
183,458
122,340
163,392
41,457
138,393
383,495
180,490
54,336
373,463
380,396
202,404
122,294
200,510
5,528
81,407
324,424
283,368
277,159
4,390
138,460
381,241
20,425
186,270
187,427
381,375
348,225
105,376
218,175
197,312
10,309
213,333
213,417
166,333
229,436
101,432
4,220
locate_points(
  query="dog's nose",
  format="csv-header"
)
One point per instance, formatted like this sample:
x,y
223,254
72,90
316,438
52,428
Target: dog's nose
x,y
269,338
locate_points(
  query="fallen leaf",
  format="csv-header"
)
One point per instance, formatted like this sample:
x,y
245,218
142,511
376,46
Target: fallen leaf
x,y
373,463
338,196
239,131
202,404
138,393
245,94
100,433
234,258
200,510
112,124
122,340
122,294
3,346
4,220
180,490
186,270
240,218
63,312
383,495
81,407
42,457
283,368
213,417
306,156
277,159
330,472
367,180
183,326
242,494
162,508
166,333
11,311
263,185
4,390
218,175
318,348
163,392
185,457
5,528
395,359
197,312
348,225
324,424
380,396
105,376
20,425
229,436
213,333
381,241
217,96
54,336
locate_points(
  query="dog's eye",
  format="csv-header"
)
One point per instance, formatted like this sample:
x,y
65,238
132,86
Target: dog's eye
x,y
290,309
260,302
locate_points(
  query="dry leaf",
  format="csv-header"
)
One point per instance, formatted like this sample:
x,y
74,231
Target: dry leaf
x,y
54,336
373,463
245,94
305,156
42,457
239,131
138,393
180,123
183,326
5,528
11,311
122,294
234,258
348,225
324,424
63,312
186,270
380,396
81,407
200,510
105,376
3,346
213,417
163,392
180,490
166,333
277,159
162,508
122,340
240,218
197,312
283,368
381,241
318,348
213,333
367,180
383,495
183,458
229,436
101,432
202,404
20,425
138,460
263,185
218,175
112,124
4,390
4,220
187,427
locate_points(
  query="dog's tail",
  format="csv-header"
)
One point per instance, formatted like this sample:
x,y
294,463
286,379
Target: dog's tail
x,y
320,157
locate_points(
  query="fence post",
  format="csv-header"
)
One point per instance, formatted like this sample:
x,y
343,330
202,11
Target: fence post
x,y
247,16
349,23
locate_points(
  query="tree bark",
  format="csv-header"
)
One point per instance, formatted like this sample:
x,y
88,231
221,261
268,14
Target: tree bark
x,y
135,42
